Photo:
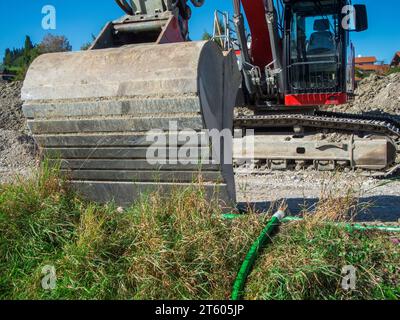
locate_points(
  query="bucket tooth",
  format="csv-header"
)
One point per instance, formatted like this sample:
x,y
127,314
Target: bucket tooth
x,y
96,112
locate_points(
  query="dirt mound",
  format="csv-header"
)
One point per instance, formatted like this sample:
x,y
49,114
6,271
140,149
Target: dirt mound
x,y
376,94
17,148
11,117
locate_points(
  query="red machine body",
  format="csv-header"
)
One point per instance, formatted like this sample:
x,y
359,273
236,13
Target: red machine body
x,y
316,99
262,55
260,45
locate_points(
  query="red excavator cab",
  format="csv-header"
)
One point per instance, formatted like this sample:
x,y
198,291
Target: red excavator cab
x,y
305,47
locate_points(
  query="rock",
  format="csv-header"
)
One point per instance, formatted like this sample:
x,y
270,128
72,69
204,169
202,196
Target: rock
x,y
376,95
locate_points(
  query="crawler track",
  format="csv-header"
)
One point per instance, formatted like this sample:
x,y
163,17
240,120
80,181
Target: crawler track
x,y
332,122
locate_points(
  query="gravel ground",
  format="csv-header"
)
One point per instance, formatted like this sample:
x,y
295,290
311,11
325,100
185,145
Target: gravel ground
x,y
302,189
17,154
11,117
17,149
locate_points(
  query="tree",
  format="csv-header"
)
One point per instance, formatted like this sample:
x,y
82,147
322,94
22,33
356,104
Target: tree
x,y
86,46
52,43
18,60
206,35
28,44
7,61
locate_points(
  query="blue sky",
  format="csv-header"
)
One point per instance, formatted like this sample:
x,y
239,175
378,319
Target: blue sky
x,y
78,19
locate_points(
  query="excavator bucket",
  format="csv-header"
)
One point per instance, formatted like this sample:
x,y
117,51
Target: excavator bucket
x,y
106,113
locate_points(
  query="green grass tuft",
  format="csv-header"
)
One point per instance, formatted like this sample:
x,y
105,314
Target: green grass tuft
x,y
177,248
306,259
393,70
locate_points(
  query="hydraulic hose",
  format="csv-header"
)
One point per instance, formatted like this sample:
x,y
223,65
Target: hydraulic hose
x,y
253,253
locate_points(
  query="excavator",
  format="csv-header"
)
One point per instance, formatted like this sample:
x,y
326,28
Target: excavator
x,y
299,63
144,92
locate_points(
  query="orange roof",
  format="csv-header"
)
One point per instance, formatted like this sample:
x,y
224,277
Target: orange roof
x,y
366,60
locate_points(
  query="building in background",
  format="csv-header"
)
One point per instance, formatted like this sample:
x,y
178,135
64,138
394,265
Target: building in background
x,y
366,61
368,65
396,60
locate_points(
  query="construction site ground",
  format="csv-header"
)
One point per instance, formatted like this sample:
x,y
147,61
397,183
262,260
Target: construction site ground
x,y
379,200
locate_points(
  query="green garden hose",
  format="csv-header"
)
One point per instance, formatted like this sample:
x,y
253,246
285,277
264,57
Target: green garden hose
x,y
253,253
277,219
349,226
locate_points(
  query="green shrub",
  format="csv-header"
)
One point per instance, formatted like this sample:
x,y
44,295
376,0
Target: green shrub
x,y
393,70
